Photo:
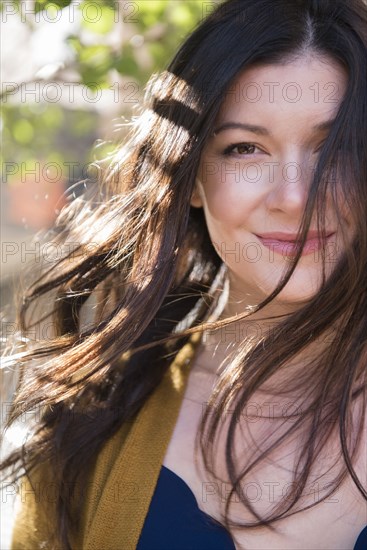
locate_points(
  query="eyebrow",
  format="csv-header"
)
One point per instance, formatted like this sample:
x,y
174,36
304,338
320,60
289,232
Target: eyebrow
x,y
262,131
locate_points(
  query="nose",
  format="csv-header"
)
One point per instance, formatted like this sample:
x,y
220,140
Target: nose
x,y
289,189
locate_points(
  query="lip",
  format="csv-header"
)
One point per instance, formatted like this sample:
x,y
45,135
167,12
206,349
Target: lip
x,y
289,237
284,243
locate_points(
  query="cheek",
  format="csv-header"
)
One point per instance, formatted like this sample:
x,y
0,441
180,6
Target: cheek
x,y
341,204
221,207
231,202
231,190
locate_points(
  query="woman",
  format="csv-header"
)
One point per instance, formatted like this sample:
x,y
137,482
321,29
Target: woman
x,y
217,399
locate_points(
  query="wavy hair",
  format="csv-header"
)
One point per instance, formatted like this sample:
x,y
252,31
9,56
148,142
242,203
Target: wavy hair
x,y
145,260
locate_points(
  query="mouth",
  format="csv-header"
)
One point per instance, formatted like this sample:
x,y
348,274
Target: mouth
x,y
286,245
291,237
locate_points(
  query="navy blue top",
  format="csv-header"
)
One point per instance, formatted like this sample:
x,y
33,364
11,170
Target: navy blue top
x,y
175,522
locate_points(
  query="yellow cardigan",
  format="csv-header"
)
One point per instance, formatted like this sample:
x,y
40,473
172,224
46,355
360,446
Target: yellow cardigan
x,y
123,480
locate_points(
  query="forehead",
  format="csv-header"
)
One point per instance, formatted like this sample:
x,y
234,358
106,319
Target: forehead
x,y
310,88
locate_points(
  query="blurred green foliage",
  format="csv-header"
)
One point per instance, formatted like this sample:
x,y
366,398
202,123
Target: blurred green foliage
x,y
115,41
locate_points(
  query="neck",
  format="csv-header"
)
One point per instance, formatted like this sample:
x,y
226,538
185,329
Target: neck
x,y
251,326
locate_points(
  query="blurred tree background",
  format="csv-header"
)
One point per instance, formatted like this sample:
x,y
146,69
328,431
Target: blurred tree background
x,y
72,73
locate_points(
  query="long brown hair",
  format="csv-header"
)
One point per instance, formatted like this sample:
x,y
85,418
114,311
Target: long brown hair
x,y
145,258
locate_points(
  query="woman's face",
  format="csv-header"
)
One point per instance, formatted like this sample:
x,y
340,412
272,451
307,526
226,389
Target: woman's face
x,y
255,172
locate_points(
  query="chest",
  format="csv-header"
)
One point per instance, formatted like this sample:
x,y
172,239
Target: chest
x,y
331,525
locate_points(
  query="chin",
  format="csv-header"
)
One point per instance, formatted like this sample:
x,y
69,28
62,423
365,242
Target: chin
x,y
294,295
301,287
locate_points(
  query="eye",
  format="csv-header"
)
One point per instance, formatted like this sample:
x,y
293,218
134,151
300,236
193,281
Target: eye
x,y
242,148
